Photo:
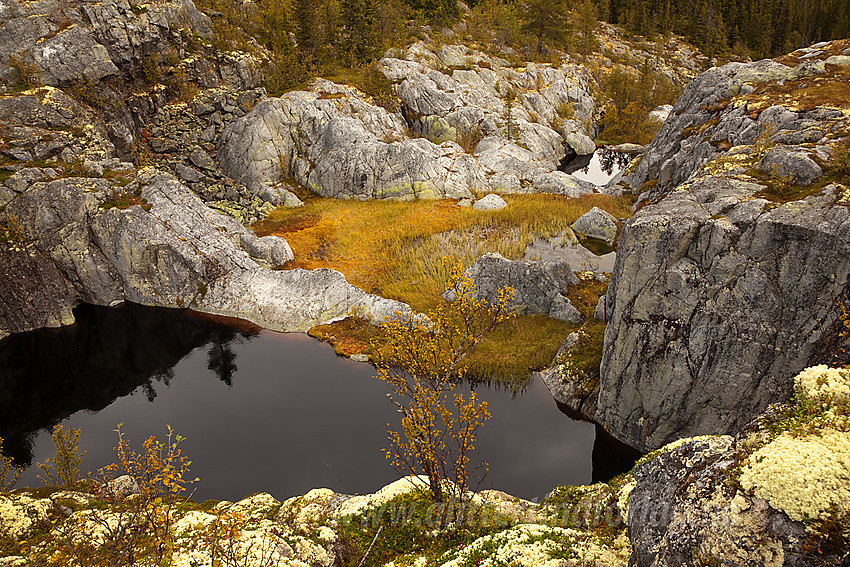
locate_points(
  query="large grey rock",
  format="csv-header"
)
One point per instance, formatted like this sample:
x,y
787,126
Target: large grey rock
x,y
651,501
660,113
794,167
33,292
600,312
273,250
686,508
332,140
72,54
676,156
279,195
174,252
130,34
838,60
716,301
579,143
337,144
719,297
91,40
539,287
597,223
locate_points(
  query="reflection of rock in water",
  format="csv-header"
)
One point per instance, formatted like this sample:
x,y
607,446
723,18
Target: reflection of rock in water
x,y
566,247
574,162
611,457
47,375
597,168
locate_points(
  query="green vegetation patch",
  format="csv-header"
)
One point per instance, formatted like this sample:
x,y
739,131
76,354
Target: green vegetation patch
x,y
126,199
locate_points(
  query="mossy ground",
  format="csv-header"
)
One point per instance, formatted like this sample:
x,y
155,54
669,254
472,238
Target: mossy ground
x,y
409,524
397,249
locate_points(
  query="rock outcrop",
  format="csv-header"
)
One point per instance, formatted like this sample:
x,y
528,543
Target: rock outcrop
x,y
140,83
540,288
728,280
467,122
339,145
763,497
165,249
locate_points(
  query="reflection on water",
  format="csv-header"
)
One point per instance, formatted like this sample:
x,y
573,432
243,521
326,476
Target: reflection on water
x,y
589,254
260,411
47,375
599,167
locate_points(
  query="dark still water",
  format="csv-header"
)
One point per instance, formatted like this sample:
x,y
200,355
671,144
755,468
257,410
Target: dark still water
x,y
260,411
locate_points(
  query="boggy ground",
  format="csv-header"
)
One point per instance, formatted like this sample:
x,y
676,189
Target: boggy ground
x,y
404,260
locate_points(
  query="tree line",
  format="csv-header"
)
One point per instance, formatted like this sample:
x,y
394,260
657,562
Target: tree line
x,y
754,28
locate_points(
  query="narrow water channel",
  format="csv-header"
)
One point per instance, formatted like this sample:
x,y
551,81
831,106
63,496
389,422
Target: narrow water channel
x,y
260,411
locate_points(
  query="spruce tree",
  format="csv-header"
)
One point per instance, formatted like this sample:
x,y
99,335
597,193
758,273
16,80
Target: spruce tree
x,y
547,20
307,30
360,19
586,25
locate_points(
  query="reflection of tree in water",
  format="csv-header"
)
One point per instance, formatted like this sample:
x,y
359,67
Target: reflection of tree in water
x,y
163,376
220,356
610,160
48,375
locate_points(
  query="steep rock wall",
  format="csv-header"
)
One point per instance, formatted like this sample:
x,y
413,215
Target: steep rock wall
x,y
730,277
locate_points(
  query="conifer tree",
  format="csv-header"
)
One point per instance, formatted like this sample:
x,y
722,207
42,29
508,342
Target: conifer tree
x,y
360,19
547,20
586,25
307,30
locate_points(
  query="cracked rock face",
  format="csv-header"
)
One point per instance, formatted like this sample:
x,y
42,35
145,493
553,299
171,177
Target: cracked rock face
x,y
173,251
340,146
716,301
90,40
480,127
683,510
727,283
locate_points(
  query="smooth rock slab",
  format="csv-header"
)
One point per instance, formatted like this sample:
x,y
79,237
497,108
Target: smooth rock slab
x,y
176,253
722,298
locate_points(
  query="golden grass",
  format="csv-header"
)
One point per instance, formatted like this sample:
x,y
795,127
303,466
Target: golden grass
x,y
396,250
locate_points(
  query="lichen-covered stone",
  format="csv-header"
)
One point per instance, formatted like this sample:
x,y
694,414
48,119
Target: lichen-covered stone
x,y
540,545
21,515
597,223
539,287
